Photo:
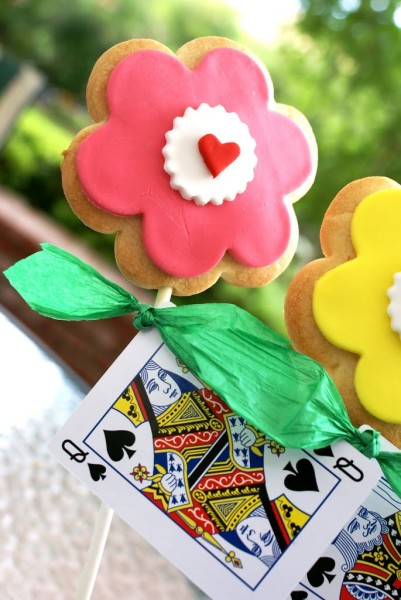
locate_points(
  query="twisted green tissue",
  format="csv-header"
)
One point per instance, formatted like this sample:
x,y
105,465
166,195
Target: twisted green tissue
x,y
284,394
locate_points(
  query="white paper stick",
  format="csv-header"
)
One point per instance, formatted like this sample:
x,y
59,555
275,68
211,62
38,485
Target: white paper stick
x,y
95,552
105,515
163,295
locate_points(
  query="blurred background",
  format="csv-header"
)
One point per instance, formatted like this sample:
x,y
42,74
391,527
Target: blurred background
x,y
338,61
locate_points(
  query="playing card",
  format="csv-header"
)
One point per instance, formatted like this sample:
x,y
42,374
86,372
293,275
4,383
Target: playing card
x,y
364,559
240,515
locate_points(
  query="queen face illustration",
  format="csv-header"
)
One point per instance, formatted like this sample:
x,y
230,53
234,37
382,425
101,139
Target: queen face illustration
x,y
365,526
256,534
161,388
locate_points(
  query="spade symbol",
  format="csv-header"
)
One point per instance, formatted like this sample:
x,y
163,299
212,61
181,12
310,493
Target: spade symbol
x,y
97,471
117,442
302,477
299,595
321,570
327,451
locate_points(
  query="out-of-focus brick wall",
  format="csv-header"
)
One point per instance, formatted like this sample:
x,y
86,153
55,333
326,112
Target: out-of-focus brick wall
x,y
88,348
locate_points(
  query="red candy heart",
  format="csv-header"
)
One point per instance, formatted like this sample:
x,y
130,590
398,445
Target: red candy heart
x,y
217,156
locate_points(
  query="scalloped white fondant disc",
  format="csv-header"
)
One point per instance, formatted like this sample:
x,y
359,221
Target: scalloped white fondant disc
x,y
186,166
394,308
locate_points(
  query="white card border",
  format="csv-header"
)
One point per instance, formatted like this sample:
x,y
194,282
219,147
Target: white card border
x,y
278,582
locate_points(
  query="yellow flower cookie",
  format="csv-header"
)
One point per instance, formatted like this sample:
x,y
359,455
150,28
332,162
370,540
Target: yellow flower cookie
x,y
345,310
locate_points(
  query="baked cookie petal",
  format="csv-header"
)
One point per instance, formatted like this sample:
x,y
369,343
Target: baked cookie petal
x,y
348,322
118,166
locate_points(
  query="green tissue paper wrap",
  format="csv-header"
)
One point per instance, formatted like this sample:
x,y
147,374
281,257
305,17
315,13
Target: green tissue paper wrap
x,y
284,394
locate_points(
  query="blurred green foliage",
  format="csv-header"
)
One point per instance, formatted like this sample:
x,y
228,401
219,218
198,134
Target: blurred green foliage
x,y
339,64
65,38
351,74
30,162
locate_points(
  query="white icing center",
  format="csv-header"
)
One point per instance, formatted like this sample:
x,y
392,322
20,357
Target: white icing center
x,y
394,308
186,166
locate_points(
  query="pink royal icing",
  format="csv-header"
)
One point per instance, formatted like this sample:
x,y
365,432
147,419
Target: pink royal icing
x,y
121,164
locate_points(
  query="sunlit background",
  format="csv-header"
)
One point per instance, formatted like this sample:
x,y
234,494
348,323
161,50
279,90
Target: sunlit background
x,y
338,61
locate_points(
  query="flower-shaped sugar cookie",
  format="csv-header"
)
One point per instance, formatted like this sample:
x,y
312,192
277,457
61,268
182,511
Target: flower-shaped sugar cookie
x,y
191,163
344,310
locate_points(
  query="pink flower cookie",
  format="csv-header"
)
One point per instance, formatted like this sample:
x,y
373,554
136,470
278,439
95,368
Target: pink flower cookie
x,y
191,163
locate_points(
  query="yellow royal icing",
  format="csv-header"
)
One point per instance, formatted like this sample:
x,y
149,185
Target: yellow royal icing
x,y
350,304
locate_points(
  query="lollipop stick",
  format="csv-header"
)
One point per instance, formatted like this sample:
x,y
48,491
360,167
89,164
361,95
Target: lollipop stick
x,y
95,552
104,517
